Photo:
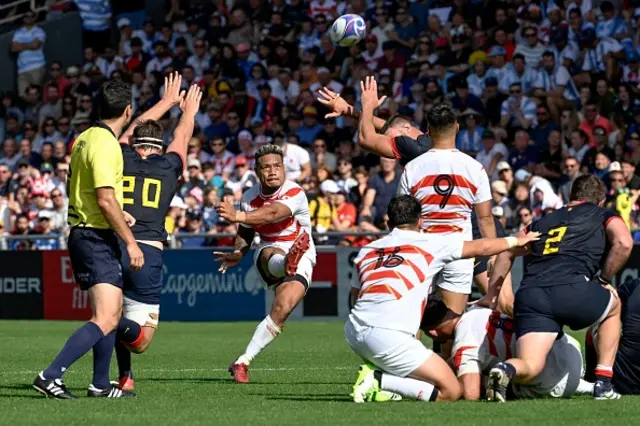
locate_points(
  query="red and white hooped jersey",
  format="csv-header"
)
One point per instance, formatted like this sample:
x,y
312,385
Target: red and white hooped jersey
x,y
284,232
482,339
447,183
394,275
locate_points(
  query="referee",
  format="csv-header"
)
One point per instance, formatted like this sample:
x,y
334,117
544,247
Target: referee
x,y
95,214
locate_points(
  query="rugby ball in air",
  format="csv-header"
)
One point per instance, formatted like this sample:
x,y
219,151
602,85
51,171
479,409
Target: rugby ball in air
x,y
347,30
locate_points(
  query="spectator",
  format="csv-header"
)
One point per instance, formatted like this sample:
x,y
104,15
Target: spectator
x,y
601,145
579,144
21,228
382,188
320,156
58,218
222,160
492,154
592,120
518,111
209,212
321,210
28,42
505,174
344,175
525,216
242,178
550,159
358,191
45,227
541,131
632,181
530,48
499,193
96,27
469,139
10,155
193,226
620,199
572,167
194,179
523,155
499,213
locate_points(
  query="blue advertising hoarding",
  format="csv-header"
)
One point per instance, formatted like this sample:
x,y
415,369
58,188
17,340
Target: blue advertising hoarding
x,y
194,290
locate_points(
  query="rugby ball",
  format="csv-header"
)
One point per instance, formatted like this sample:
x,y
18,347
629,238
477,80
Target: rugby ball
x,y
347,30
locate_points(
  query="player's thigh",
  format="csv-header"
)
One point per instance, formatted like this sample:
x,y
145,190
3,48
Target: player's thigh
x,y
533,349
436,371
456,277
581,305
144,285
533,312
106,306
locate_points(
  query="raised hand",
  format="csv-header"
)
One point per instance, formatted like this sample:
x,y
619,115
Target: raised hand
x,y
527,238
227,211
334,102
172,94
191,102
369,96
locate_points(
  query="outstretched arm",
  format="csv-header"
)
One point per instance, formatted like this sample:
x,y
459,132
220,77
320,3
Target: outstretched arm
x,y
493,246
172,96
261,216
182,134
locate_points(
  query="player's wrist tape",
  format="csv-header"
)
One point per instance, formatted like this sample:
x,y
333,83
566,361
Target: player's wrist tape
x,y
512,241
603,280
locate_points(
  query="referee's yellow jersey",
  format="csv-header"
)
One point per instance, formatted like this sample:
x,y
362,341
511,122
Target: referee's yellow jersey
x,y
96,162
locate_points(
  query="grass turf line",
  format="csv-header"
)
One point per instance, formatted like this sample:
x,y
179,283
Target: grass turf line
x,y
304,377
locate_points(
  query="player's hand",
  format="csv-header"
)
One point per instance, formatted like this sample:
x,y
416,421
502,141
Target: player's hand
x,y
136,258
227,260
227,211
172,94
334,102
129,219
191,102
369,98
486,301
527,238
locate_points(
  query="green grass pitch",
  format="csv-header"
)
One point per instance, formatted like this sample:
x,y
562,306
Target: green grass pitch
x,y
303,378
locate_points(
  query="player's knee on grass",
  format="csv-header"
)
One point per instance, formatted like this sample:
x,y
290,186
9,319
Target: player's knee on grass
x,y
106,305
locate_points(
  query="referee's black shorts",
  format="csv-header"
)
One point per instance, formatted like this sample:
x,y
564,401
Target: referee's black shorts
x,y
95,257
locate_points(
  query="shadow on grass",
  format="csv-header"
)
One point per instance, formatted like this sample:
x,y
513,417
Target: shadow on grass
x,y
20,387
230,381
307,398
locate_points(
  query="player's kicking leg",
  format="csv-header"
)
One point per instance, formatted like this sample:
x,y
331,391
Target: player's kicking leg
x,y
291,274
400,364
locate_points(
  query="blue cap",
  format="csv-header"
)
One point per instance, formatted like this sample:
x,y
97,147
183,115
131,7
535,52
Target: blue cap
x,y
497,51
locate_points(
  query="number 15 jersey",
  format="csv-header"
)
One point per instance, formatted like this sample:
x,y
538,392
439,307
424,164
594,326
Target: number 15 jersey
x,y
572,246
149,185
447,183
394,275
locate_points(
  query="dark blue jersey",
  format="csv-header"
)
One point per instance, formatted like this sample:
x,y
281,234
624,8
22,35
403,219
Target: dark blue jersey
x,y
571,248
406,149
500,232
626,370
149,185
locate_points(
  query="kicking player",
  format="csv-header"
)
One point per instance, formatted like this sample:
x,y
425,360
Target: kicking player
x,y
560,287
626,373
394,281
278,211
482,338
95,188
151,180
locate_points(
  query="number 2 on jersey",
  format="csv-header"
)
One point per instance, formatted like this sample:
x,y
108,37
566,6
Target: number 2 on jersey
x,y
555,236
443,185
129,185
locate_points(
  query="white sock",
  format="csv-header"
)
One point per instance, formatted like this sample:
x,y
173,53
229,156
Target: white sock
x,y
266,331
409,388
585,387
276,265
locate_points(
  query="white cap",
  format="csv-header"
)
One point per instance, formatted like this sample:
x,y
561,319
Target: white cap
x,y
329,187
194,162
245,134
123,22
44,214
615,167
500,187
497,211
522,175
323,70
178,202
503,165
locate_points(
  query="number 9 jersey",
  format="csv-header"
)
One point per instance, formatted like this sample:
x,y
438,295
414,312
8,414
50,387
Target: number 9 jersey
x,y
572,246
149,185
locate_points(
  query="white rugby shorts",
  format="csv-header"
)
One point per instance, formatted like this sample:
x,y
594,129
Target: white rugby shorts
x,y
394,352
456,276
140,312
561,374
305,266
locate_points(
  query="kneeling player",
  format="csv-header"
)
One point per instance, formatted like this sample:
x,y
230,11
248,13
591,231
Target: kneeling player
x,y
151,179
395,275
482,338
278,211
557,287
626,369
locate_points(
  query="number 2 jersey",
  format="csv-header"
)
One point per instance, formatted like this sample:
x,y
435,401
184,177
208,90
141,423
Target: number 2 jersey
x,y
394,275
447,183
149,185
571,248
484,337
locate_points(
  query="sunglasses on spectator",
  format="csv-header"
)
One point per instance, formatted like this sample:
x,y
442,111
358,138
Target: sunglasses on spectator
x,y
56,195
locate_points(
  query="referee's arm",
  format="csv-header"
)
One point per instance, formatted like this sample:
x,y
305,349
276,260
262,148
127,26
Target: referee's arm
x,y
104,164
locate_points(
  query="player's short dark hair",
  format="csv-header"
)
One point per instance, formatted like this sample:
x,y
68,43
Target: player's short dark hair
x,y
113,99
587,188
434,313
394,121
441,119
268,149
149,132
403,210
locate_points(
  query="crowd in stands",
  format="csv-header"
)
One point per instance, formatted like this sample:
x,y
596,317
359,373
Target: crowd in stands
x,y
545,90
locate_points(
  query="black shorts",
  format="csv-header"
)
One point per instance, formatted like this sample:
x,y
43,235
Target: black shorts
x,y
95,257
480,265
145,285
548,309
